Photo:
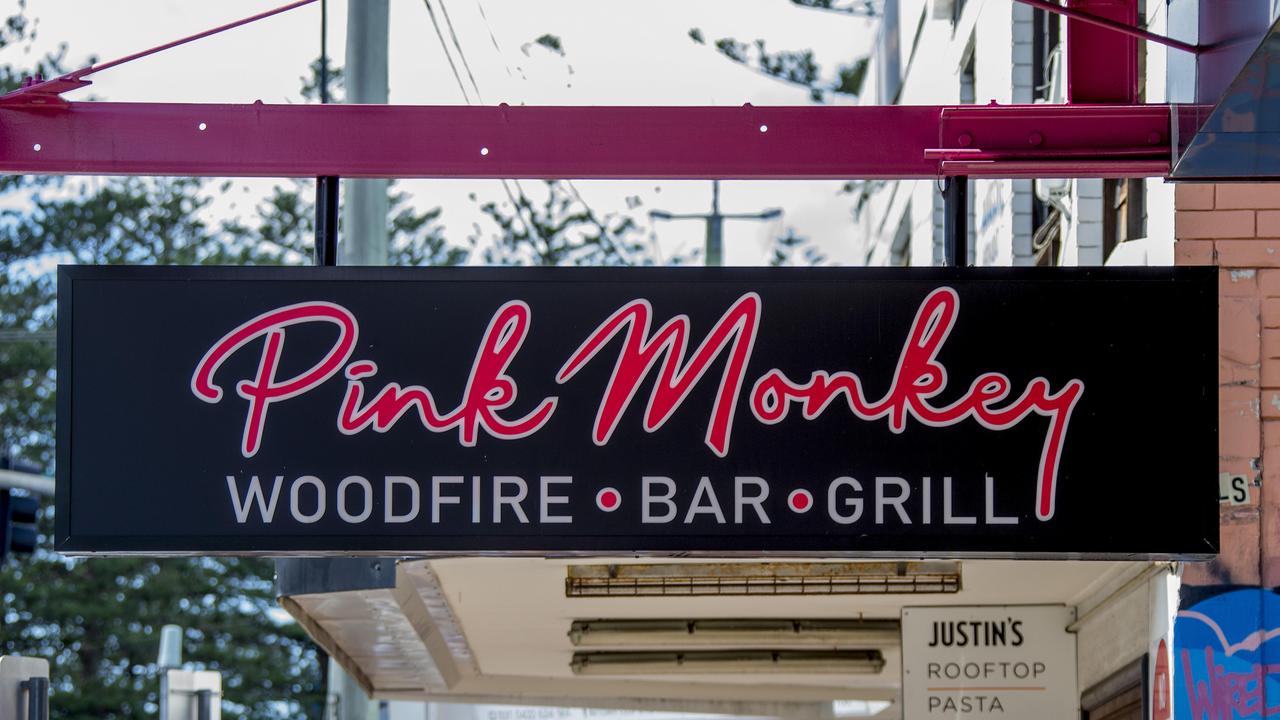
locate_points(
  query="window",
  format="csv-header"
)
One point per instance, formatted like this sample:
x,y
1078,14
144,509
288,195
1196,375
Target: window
x,y
1122,696
1124,212
900,250
1045,57
968,76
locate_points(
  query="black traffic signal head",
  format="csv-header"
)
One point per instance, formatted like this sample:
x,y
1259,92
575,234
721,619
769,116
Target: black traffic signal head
x,y
17,523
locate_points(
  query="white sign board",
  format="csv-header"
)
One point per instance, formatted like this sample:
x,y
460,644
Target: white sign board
x,y
991,661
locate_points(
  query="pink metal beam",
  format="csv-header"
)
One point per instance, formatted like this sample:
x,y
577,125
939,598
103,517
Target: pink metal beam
x,y
1102,65
581,142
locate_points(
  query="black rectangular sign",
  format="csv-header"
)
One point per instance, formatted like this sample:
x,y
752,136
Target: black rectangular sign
x,y
908,412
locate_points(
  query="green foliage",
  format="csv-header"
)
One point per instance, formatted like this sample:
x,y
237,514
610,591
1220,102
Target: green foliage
x,y
730,48
551,42
866,8
19,30
793,249
792,66
797,67
311,82
417,238
26,320
286,222
97,621
560,230
851,77
116,221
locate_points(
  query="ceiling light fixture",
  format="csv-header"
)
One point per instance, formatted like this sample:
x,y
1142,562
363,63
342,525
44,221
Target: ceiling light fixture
x,y
763,578
699,662
743,633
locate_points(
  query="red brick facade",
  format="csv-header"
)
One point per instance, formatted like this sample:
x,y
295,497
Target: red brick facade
x,y
1237,228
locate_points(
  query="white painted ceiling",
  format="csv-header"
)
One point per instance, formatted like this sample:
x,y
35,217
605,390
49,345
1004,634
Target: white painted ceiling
x,y
470,629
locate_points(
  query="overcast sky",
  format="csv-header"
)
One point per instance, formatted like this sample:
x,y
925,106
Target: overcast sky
x,y
616,53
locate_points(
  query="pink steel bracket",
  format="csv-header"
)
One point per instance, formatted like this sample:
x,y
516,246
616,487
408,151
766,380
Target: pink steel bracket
x,y
1072,13
44,134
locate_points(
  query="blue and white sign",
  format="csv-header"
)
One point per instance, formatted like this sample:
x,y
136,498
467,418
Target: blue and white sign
x,y
1226,657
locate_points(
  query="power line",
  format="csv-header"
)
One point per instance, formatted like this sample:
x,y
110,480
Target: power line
x,y
714,247
494,38
448,56
604,232
444,10
529,226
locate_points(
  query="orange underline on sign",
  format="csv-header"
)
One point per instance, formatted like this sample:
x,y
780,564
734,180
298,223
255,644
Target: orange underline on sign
x,y
978,688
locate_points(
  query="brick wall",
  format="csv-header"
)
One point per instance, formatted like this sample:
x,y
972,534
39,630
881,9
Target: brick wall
x,y
1237,228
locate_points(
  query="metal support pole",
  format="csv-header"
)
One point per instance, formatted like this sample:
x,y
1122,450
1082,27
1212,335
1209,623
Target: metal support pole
x,y
714,250
365,234
37,698
164,694
324,52
326,253
204,704
955,235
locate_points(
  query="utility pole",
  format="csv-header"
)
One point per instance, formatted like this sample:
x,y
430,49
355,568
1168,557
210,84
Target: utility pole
x,y
364,240
714,248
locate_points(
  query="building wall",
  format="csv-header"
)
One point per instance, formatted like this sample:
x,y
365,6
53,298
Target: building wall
x,y
1119,628
1124,621
998,37
1237,228
903,222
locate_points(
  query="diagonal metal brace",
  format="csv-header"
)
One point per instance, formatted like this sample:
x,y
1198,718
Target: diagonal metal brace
x,y
38,91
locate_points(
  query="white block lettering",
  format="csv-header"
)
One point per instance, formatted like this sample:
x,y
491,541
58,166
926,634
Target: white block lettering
x,y
992,518
926,501
500,498
295,491
948,518
853,502
544,514
438,497
254,496
389,513
756,500
704,502
650,498
343,511
896,501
